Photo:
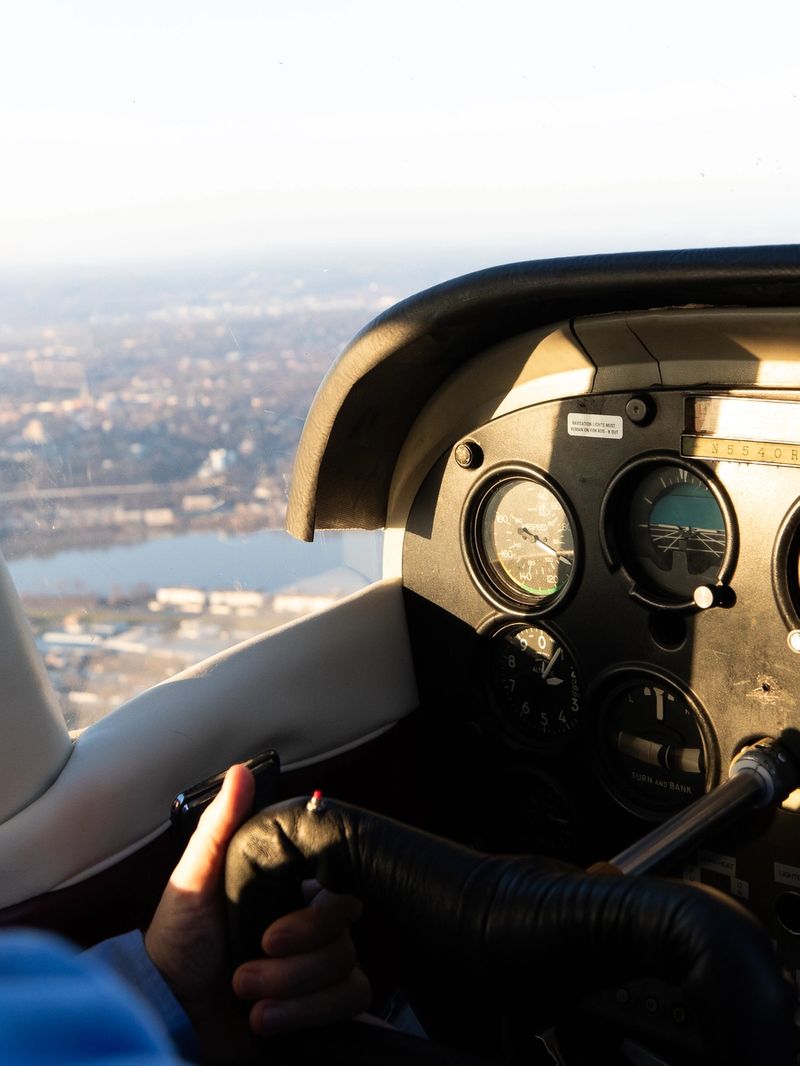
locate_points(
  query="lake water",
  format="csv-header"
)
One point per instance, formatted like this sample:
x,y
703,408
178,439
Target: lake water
x,y
266,561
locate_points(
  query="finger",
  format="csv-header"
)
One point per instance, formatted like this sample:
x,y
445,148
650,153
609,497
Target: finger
x,y
310,888
332,1004
312,927
201,864
295,975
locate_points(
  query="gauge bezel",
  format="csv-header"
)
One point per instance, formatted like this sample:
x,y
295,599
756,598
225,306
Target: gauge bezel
x,y
600,695
501,595
615,539
785,553
489,634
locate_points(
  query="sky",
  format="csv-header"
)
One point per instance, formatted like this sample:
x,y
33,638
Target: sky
x,y
145,130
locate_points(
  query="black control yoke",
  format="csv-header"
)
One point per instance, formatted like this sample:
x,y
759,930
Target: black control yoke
x,y
519,926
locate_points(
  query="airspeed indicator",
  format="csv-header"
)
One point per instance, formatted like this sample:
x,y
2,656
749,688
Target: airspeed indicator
x,y
525,540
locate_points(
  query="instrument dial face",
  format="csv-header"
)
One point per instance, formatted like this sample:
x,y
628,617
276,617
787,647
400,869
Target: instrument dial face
x,y
654,746
526,540
535,682
676,531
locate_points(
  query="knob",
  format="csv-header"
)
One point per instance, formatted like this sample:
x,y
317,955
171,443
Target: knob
x,y
706,596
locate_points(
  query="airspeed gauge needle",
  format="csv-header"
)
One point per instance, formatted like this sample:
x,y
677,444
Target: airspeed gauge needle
x,y
548,548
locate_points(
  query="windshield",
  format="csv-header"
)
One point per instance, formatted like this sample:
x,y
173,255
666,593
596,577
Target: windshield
x,y
202,203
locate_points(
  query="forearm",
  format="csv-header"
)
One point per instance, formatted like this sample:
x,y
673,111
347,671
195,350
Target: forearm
x,y
126,956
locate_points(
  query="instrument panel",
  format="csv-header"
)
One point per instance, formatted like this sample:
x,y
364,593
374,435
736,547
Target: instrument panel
x,y
594,510
626,612
603,591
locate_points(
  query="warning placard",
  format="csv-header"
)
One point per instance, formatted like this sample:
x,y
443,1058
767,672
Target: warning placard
x,y
580,424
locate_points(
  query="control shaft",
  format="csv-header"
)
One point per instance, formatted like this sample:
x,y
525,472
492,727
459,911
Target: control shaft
x,y
761,774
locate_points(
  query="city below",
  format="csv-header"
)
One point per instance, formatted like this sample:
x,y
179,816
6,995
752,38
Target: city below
x,y
153,409
100,652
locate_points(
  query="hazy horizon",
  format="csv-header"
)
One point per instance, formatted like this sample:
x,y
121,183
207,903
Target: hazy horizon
x,y
143,132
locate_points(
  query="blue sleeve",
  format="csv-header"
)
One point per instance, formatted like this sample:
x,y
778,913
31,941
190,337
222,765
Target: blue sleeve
x,y
62,1008
126,956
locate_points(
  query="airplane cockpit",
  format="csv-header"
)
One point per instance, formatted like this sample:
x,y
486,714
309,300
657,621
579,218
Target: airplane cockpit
x,y
588,474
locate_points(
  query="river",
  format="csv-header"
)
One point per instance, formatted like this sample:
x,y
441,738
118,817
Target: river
x,y
267,561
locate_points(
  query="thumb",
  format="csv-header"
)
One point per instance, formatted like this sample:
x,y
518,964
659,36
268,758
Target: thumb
x,y
200,866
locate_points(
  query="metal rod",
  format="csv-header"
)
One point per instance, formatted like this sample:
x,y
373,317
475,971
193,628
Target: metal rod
x,y
744,790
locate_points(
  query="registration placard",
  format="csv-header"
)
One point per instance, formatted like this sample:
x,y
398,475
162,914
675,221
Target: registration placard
x,y
736,450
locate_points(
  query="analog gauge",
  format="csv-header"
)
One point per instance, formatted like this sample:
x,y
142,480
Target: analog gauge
x,y
671,529
525,540
655,747
786,572
534,682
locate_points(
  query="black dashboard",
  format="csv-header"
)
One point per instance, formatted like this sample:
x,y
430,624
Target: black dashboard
x,y
588,471
604,605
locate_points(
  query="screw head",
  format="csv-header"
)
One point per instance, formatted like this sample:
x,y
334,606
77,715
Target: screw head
x,y
468,454
640,410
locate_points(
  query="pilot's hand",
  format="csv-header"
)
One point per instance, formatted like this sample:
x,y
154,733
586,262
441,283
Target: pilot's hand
x,y
312,977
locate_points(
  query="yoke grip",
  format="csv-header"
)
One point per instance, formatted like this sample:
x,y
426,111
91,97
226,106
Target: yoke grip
x,y
517,924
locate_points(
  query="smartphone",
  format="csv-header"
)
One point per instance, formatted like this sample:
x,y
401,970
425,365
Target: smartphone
x,y
190,804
